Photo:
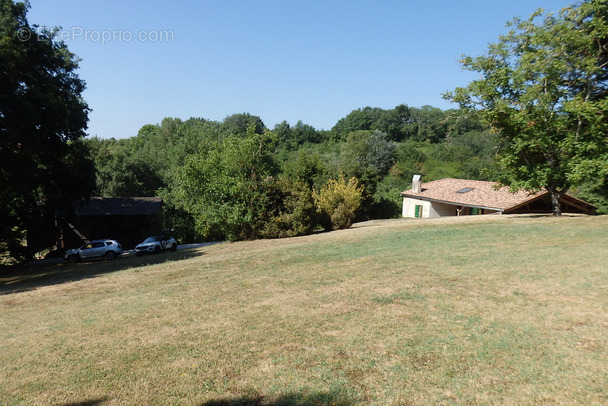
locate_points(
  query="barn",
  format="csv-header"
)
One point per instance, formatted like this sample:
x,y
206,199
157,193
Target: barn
x,y
128,220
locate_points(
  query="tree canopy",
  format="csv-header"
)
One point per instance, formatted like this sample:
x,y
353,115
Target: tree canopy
x,y
224,185
45,168
543,89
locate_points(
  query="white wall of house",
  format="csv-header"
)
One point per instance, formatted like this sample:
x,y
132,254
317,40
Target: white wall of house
x,y
409,207
428,209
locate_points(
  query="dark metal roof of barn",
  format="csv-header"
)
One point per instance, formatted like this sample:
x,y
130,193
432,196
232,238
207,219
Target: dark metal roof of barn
x,y
120,206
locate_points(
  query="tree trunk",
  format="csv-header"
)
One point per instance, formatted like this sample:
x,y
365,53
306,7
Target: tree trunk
x,y
555,204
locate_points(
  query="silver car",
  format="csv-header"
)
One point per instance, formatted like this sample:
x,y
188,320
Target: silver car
x,y
156,244
108,249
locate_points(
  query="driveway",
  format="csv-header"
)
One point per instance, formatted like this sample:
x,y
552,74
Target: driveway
x,y
180,247
126,253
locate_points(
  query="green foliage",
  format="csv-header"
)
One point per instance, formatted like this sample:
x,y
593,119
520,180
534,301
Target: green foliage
x,y
176,218
383,167
430,124
283,200
594,191
338,202
306,167
224,185
121,175
387,201
291,211
398,123
543,90
367,151
45,168
145,165
380,154
243,124
405,123
291,138
354,152
368,156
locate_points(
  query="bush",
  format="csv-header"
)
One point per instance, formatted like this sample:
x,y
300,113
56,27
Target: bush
x,y
292,211
338,202
342,217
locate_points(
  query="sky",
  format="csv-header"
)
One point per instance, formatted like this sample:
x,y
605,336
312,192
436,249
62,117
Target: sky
x,y
281,60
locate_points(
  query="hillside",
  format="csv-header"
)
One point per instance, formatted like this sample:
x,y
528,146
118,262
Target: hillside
x,y
485,310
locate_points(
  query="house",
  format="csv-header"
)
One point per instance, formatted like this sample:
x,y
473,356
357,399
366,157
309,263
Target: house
x,y
457,197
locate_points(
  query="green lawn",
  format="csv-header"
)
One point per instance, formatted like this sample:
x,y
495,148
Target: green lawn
x,y
504,310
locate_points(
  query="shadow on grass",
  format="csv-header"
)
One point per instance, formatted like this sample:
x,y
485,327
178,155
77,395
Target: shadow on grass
x,y
318,399
294,399
93,402
36,274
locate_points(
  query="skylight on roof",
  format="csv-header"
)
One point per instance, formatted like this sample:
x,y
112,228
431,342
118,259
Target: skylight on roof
x,y
466,189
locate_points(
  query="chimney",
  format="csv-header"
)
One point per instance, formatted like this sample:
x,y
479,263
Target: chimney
x,y
417,184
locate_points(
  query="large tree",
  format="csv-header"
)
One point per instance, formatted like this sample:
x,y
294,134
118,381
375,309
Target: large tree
x,y
224,186
44,166
543,89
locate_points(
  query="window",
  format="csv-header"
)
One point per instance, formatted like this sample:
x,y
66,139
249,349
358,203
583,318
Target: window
x,y
466,190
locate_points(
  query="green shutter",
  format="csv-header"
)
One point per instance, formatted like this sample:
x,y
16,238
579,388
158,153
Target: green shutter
x,y
418,213
474,210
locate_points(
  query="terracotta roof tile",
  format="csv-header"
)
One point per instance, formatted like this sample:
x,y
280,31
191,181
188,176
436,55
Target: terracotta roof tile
x,y
475,193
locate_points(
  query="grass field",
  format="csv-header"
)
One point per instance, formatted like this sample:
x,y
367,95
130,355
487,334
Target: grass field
x,y
504,310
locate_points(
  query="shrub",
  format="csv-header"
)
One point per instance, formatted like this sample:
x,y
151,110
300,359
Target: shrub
x,y
338,202
292,211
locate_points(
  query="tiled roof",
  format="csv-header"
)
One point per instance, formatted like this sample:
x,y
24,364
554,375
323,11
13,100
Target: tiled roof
x,y
473,193
120,206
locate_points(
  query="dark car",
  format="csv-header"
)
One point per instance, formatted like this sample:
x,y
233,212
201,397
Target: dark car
x,y
105,248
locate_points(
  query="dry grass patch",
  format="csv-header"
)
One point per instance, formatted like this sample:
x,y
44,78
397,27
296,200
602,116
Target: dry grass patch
x,y
504,311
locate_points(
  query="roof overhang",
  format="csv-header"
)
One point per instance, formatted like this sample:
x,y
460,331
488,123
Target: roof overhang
x,y
564,199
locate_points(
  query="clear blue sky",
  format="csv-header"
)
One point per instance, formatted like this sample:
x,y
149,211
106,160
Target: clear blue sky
x,y
314,61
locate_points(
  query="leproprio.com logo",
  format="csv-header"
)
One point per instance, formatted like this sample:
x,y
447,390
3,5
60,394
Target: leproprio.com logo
x,y
102,37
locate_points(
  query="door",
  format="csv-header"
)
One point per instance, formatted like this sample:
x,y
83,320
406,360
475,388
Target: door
x,y
95,249
418,211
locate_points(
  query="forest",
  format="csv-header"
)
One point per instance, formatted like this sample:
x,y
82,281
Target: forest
x,y
238,179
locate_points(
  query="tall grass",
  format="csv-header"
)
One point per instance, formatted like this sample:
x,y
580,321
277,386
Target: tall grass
x,y
505,311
